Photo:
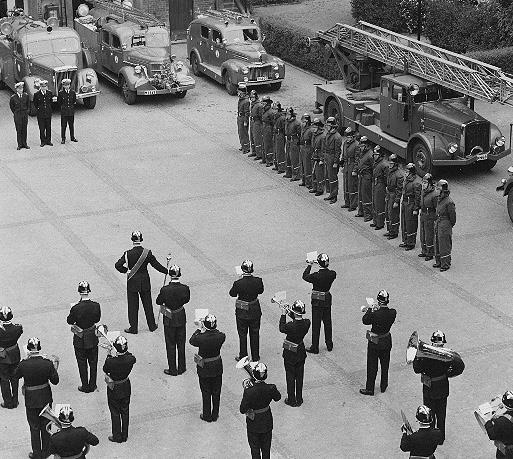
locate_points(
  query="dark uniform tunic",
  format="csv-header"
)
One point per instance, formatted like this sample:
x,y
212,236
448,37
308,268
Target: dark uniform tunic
x,y
71,441
173,297
279,141
350,180
243,123
118,368
428,203
267,134
9,335
66,101
321,309
260,429
292,135
139,285
379,347
294,361
210,372
421,443
19,106
248,316
86,314
305,155
412,190
379,184
318,161
500,428
445,220
43,104
394,190
332,149
256,112
364,166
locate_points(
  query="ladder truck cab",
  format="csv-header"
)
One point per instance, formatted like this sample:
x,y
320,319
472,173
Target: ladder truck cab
x,y
421,113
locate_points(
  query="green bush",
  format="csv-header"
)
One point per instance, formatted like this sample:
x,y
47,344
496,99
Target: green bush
x,y
501,57
383,13
288,42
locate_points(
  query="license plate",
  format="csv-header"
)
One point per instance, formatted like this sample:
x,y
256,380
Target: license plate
x,y
262,78
150,92
482,156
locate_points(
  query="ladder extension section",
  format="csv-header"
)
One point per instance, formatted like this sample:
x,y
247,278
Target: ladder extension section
x,y
130,14
225,15
455,71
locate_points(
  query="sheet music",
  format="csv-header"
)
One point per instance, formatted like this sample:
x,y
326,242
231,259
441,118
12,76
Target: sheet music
x,y
199,315
238,270
311,256
280,296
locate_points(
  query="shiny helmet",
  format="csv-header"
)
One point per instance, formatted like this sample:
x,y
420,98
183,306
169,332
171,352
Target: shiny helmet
x,y
19,85
210,322
291,113
136,236
378,151
247,266
33,345
260,371
267,100
5,314
331,122
364,139
507,399
253,94
120,344
428,178
443,185
317,122
323,260
438,338
393,158
298,307
410,167
66,82
43,83
242,89
175,271
424,415
349,132
307,118
278,106
383,297
84,287
65,415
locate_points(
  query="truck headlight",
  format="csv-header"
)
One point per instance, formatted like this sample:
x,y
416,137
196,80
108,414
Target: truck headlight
x,y
453,148
276,66
244,70
510,169
137,69
500,141
89,78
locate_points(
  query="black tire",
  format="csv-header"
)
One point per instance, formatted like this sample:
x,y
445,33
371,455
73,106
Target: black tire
x,y
180,95
485,165
333,109
90,102
32,109
421,157
2,84
195,64
276,86
129,96
230,87
509,204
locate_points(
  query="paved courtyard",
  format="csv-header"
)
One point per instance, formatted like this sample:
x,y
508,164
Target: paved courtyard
x,y
171,168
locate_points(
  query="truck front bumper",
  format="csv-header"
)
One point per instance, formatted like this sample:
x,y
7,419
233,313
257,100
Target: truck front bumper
x,y
85,95
471,159
260,82
175,89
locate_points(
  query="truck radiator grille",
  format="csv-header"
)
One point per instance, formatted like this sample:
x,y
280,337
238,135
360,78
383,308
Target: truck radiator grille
x,y
477,134
71,74
256,73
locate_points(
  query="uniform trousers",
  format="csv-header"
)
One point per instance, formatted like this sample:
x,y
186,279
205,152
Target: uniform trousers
x,y
175,343
267,141
133,308
350,188
439,408
243,133
85,357
288,161
279,148
253,325
260,444
365,195
443,242
45,129
39,437
294,374
409,222
211,395
392,216
294,158
321,313
427,233
331,177
67,120
318,175
305,157
20,122
119,415
373,355
378,204
9,384
256,138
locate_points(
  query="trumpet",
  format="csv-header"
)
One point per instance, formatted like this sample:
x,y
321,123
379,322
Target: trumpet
x,y
102,332
370,305
283,305
245,364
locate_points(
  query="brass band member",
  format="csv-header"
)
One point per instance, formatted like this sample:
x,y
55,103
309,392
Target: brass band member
x,y
37,373
71,442
173,297
500,427
294,354
428,203
379,341
423,442
255,405
83,318
247,310
117,369
243,117
9,358
321,301
209,365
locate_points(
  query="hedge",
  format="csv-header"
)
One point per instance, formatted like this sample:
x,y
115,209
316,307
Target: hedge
x,y
288,42
501,57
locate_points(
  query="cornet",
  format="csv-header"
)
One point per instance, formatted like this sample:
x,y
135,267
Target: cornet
x,y
283,305
373,306
245,364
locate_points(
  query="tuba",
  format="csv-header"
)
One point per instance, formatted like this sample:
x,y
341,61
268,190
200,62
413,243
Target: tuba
x,y
245,364
419,349
54,425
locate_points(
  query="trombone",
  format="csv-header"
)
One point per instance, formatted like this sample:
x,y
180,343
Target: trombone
x,y
245,364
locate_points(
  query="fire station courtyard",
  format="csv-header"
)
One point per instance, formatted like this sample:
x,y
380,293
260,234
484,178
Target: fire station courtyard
x,y
171,169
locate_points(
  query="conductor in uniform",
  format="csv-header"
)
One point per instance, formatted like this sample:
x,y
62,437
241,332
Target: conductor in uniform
x,y
71,442
19,105
83,318
119,389
66,100
247,310
423,442
9,358
255,405
37,373
43,104
294,354
379,341
135,262
500,427
209,365
172,298
321,301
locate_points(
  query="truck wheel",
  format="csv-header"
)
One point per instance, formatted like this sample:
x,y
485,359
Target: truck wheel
x,y
510,205
421,157
90,102
276,86
180,95
2,84
485,165
333,109
195,64
128,95
230,87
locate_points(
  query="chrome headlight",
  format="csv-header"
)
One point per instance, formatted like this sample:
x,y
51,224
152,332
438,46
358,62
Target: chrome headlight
x,y
137,69
244,70
510,169
89,78
453,148
276,66
500,141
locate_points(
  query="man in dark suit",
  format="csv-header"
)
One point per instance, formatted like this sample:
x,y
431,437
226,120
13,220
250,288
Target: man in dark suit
x,y
172,298
209,365
19,105
9,357
43,104
66,100
294,354
259,418
379,341
500,427
37,373
135,262
321,301
423,442
247,310
83,318
119,389
71,441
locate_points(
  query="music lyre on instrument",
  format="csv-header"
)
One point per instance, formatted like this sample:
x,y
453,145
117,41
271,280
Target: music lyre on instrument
x,y
245,364
108,337
487,411
311,257
371,304
279,298
406,424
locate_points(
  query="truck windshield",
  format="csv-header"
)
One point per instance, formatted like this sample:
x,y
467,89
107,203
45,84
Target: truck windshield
x,y
151,39
242,35
54,46
434,92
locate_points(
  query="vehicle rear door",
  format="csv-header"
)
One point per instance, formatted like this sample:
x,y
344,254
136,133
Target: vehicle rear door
x,y
384,105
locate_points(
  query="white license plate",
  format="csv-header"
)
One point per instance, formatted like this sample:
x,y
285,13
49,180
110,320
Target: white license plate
x,y
262,78
150,92
482,156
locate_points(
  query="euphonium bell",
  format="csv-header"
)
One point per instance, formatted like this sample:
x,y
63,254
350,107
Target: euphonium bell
x,y
54,425
245,364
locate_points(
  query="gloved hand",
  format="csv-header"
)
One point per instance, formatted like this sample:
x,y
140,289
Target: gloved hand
x,y
395,205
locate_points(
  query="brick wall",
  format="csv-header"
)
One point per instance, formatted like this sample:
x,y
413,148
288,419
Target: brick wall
x,y
160,8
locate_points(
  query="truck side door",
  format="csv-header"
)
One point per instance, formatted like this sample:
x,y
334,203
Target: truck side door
x,y
116,54
399,113
204,45
218,48
19,62
384,104
105,50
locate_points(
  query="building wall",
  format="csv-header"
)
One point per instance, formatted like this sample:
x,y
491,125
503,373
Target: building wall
x,y
160,8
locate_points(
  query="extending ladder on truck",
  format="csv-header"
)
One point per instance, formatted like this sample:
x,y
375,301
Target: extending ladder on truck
x,y
140,17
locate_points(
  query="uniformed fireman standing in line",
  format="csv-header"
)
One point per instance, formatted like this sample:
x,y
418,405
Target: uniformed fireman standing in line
x,y
294,353
321,301
209,365
247,310
423,442
305,151
66,100
279,139
348,160
317,157
364,167
135,262
500,427
43,104
243,117
394,190
9,358
379,343
19,104
412,190
292,134
379,184
83,318
267,131
445,220
71,442
119,389
255,404
37,373
256,111
332,149
428,201
172,298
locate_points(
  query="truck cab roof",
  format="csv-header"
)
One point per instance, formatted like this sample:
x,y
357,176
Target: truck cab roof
x,y
406,80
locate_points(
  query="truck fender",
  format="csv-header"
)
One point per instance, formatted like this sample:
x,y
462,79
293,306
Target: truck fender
x,y
196,53
494,133
436,144
232,66
89,57
127,72
81,77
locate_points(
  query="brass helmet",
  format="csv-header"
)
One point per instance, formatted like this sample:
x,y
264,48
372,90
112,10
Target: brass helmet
x,y
411,168
175,271
331,121
210,322
84,287
136,236
120,344
507,399
260,371
33,345
267,100
424,415
443,185
323,260
298,307
383,297
5,314
247,266
66,416
349,132
438,338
